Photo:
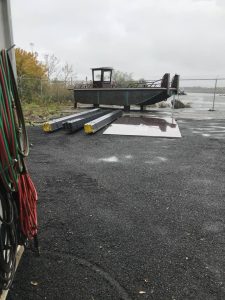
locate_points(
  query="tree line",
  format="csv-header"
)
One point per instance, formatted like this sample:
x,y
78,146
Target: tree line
x,y
42,80
49,79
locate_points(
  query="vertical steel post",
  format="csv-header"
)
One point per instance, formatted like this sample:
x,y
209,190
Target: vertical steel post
x,y
41,87
173,107
214,96
57,88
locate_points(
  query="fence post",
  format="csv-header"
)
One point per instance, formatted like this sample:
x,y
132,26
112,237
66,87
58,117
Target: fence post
x,y
21,86
41,88
57,90
174,99
214,96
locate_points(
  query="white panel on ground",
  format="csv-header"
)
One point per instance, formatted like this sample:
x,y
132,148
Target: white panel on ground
x,y
145,126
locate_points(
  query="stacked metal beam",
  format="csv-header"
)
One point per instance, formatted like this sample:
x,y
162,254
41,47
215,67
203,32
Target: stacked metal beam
x,y
97,124
78,123
56,124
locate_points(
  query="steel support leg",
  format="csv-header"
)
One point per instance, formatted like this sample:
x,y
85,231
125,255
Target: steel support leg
x,y
126,107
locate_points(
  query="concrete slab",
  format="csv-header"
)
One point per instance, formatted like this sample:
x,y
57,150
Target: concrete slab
x,y
145,126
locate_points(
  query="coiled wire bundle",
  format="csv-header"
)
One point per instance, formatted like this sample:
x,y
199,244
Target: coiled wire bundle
x,y
18,196
8,240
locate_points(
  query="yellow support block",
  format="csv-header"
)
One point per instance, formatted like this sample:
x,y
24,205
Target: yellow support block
x,y
47,127
88,128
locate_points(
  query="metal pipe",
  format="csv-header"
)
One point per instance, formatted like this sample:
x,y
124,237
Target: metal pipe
x,y
173,107
214,96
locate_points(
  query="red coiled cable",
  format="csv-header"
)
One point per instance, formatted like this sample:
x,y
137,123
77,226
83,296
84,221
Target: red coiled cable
x,y
27,205
13,148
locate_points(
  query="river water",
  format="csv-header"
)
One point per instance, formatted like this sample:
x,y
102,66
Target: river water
x,y
204,101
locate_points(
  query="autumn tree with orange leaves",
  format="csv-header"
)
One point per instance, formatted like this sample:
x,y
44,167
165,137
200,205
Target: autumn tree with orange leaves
x,y
28,65
39,81
30,75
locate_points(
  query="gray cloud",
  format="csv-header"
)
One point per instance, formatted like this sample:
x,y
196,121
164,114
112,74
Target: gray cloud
x,y
143,37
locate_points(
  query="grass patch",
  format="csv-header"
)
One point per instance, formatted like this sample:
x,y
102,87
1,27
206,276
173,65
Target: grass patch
x,y
43,111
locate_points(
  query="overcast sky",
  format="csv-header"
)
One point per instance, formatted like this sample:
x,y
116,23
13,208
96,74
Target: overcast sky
x,y
143,37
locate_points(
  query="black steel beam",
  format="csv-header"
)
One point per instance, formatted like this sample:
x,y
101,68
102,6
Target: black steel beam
x,y
56,124
77,124
97,124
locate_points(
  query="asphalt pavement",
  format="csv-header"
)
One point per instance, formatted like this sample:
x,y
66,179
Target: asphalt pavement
x,y
125,217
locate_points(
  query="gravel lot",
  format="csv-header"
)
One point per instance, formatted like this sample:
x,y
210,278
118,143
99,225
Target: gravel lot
x,y
128,217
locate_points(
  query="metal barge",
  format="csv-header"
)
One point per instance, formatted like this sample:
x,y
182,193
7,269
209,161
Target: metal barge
x,y
103,92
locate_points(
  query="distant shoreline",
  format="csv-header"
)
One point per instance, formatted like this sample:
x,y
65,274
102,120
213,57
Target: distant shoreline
x,y
220,90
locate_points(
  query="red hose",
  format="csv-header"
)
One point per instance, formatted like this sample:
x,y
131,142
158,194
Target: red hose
x,y
27,205
14,176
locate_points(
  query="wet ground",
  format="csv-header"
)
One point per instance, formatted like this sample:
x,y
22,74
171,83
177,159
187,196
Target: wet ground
x,y
124,217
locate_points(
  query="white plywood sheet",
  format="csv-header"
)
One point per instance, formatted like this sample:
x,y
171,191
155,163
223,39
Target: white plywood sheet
x,y
145,126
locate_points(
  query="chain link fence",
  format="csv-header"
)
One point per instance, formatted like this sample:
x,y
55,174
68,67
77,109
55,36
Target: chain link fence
x,y
213,88
32,89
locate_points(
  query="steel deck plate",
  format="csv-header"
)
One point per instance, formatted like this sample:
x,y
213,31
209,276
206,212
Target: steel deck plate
x,y
145,126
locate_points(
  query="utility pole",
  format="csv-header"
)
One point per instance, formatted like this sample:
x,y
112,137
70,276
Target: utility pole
x,y
32,47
